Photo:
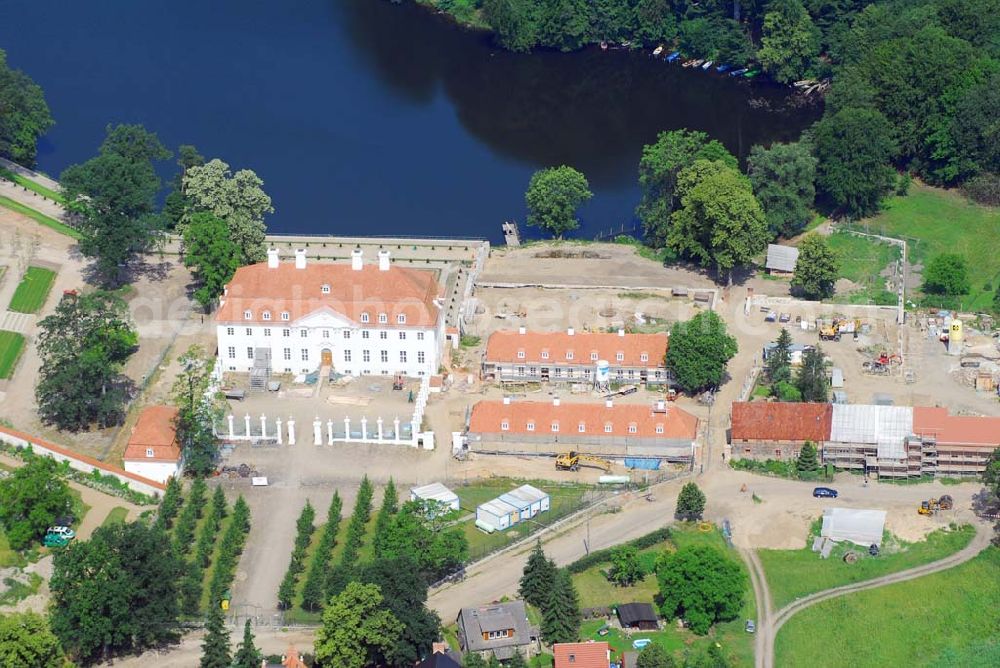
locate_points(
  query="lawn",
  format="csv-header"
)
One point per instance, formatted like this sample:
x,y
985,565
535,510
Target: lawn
x,y
937,221
40,218
11,347
32,186
862,258
792,574
31,292
945,619
116,515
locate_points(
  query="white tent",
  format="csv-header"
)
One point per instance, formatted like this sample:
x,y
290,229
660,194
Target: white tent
x,y
862,527
436,492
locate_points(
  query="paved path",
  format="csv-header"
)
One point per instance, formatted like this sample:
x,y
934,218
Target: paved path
x,y
12,321
769,625
32,200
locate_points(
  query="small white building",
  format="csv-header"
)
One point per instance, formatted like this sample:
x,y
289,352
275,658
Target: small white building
x,y
152,450
859,526
528,500
436,493
512,507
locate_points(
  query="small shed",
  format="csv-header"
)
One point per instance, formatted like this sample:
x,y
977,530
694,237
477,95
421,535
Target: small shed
x,y
781,259
437,493
528,500
640,616
837,377
496,515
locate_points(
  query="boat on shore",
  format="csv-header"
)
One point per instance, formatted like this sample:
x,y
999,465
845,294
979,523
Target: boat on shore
x,y
604,45
736,73
723,68
708,63
694,63
751,74
673,56
658,50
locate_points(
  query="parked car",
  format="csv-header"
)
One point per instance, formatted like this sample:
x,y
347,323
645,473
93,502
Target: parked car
x,y
63,531
750,626
825,493
55,540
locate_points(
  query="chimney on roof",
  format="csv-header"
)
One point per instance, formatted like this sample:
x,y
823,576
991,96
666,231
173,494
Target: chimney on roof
x,y
272,258
621,332
522,330
383,260
661,406
608,403
555,401
300,258
506,401
357,259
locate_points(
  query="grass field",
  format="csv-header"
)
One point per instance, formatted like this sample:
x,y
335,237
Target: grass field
x,y
792,574
32,186
116,515
861,261
31,292
11,347
949,619
40,218
937,221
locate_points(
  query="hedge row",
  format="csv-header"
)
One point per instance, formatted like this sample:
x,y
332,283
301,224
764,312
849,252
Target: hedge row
x,y
604,556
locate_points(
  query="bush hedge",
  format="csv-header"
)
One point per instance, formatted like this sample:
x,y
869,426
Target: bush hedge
x,y
604,556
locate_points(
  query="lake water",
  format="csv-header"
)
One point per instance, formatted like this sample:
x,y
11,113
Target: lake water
x,y
366,117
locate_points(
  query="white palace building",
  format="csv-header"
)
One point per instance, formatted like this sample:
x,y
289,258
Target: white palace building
x,y
358,319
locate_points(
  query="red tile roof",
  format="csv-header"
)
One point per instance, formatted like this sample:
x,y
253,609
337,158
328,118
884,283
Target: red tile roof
x,y
154,431
504,346
581,655
778,421
956,429
299,292
488,418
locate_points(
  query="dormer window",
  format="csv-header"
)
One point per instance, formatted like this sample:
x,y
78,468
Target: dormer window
x,y
248,315
555,426
530,426
593,356
632,428
659,427
149,452
266,315
620,356
520,354
383,318
505,426
607,427
401,319
569,354
364,317
285,315
644,357
325,288
582,427
545,354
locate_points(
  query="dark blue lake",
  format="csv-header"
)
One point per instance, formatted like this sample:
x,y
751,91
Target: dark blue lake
x,y
366,117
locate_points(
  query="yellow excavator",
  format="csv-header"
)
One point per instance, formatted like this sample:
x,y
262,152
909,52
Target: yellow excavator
x,y
572,461
932,506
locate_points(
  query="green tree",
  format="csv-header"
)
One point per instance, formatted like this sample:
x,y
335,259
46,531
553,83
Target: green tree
x,y
211,254
27,640
789,41
946,274
215,645
625,567
538,577
779,359
785,391
817,268
561,612
170,504
247,654
659,166
690,503
31,498
383,521
115,592
854,148
176,204
784,182
404,591
313,590
114,194
655,656
239,199
416,530
83,348
811,380
562,24
701,585
197,411
973,139
808,461
356,627
553,197
24,115
512,21
719,221
699,351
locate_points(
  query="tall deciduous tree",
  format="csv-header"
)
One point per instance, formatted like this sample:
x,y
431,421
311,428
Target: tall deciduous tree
x,y
854,148
784,181
27,640
404,592
659,166
817,268
625,567
196,411
789,41
176,204
699,351
512,21
31,498
553,197
701,585
212,255
24,115
239,199
561,612
538,577
719,221
946,274
115,195
356,628
416,530
690,503
215,645
655,656
83,347
115,592
811,380
247,655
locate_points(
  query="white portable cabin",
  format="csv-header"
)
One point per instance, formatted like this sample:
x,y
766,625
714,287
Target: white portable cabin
x,y
496,515
436,492
528,500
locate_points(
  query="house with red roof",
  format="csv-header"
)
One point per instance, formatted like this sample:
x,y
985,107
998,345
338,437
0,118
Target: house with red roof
x,y
777,430
153,451
356,319
581,654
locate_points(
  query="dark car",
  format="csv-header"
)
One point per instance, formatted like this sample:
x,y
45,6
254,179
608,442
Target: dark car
x,y
825,493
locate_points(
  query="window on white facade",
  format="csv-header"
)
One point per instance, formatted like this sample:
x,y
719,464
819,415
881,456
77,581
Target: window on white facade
x,y
520,354
303,333
364,317
286,332
402,336
504,426
530,426
607,428
659,428
384,356
555,427
401,319
402,357
230,331
347,333
326,333
365,334
383,318
249,352
266,315
267,331
325,289
383,335
593,357
305,355
347,355
632,429
420,336
232,352
366,356
421,357
644,357
249,331
287,353
285,315
149,452
582,427
619,356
